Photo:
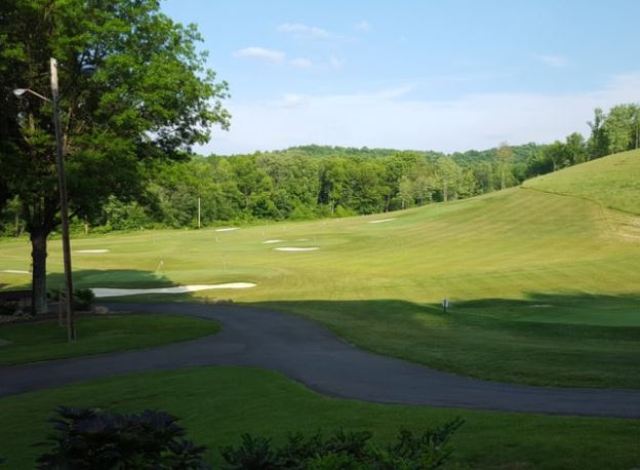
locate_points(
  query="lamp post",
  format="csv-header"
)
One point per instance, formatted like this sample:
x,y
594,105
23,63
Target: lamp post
x,y
62,187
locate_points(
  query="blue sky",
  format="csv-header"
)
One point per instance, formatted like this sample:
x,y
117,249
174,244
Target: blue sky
x,y
441,75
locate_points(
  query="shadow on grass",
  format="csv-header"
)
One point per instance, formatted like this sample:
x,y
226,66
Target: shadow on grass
x,y
474,338
113,278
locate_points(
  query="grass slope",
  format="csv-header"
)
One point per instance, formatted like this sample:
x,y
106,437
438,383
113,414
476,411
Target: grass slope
x,y
217,405
613,181
544,286
29,342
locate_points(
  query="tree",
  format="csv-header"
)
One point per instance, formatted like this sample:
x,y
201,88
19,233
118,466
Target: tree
x,y
621,127
448,174
598,144
504,156
576,148
151,96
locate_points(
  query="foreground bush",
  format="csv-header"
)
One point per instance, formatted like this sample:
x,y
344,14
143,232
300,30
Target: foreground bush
x,y
344,451
101,440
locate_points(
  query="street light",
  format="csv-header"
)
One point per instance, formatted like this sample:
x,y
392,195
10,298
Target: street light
x,y
19,92
62,186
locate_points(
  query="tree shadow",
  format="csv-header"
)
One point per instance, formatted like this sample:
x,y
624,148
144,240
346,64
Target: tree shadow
x,y
497,339
112,278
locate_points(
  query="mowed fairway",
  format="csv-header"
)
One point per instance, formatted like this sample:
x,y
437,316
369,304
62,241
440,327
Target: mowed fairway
x,y
544,286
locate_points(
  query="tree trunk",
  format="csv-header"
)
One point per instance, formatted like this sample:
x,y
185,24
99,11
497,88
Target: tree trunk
x,y
39,277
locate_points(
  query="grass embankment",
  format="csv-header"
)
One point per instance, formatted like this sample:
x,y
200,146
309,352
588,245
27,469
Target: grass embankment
x,y
29,342
613,181
217,405
544,287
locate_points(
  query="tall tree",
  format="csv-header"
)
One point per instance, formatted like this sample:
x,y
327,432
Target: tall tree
x,y
621,127
151,96
504,156
598,143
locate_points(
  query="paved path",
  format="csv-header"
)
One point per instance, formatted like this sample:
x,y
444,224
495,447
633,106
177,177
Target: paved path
x,y
308,353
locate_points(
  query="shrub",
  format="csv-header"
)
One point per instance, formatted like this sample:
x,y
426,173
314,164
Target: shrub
x,y
345,451
97,440
83,299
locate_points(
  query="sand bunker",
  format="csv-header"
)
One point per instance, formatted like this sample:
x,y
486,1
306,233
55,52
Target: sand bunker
x,y
297,248
14,271
227,229
381,221
269,242
93,251
102,292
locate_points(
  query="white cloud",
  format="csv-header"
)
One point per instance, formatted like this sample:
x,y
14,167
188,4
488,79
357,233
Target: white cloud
x,y
261,53
552,60
301,63
392,118
300,29
363,25
336,63
291,100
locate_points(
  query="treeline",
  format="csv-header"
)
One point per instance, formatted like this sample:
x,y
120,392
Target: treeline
x,y
321,181
303,183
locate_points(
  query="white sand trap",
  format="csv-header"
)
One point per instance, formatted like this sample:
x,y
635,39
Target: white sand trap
x,y
271,242
102,292
227,229
381,221
93,252
14,271
297,248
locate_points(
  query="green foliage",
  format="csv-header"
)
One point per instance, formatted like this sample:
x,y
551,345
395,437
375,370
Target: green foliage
x,y
97,439
344,450
114,120
83,299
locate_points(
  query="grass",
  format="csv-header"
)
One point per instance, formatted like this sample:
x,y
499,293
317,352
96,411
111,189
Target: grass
x,y
613,181
474,344
218,404
544,286
29,342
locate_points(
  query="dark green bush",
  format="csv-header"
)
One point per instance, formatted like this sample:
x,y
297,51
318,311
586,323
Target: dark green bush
x,y
83,299
101,440
344,451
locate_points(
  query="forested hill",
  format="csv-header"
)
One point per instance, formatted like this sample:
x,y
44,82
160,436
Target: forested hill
x,y
521,153
322,181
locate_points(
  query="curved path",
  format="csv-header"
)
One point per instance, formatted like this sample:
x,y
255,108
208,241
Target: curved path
x,y
308,353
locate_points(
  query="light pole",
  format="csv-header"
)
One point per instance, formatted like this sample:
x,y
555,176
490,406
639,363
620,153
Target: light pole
x,y
62,186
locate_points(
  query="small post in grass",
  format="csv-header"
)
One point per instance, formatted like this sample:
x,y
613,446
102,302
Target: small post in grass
x,y
445,305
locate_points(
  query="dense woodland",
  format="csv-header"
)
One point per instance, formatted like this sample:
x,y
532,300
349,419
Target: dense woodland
x,y
321,181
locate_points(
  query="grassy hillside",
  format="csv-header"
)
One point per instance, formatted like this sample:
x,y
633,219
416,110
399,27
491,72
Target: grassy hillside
x,y
544,287
613,181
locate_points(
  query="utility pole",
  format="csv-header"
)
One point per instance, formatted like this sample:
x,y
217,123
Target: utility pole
x,y
64,208
198,212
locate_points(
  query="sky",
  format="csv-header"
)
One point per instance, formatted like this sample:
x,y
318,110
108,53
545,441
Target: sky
x,y
425,75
